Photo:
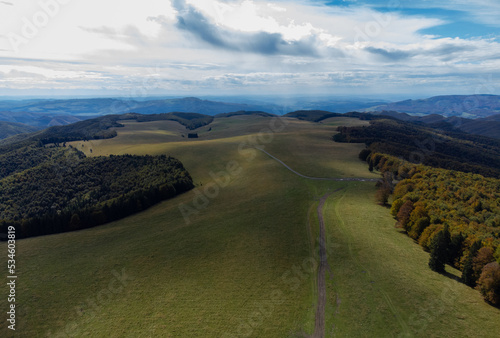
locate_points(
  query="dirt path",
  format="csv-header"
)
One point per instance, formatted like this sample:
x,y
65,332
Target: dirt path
x,y
357,179
319,326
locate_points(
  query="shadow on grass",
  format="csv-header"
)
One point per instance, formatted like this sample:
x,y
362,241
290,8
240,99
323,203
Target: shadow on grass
x,y
452,276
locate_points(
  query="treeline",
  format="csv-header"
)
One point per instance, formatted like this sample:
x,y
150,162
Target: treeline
x,y
189,120
245,113
432,147
93,129
14,160
320,115
73,192
453,215
102,127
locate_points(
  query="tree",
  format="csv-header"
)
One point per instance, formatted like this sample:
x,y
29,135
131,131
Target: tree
x,y
396,205
439,250
497,254
489,283
419,220
456,246
75,222
468,271
384,188
483,257
382,194
404,214
363,155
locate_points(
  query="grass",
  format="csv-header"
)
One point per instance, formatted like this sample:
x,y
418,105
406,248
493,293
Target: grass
x,y
241,266
382,280
202,278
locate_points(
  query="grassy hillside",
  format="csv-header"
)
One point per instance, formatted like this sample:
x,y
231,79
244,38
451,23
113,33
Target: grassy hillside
x,y
239,266
381,283
8,129
202,278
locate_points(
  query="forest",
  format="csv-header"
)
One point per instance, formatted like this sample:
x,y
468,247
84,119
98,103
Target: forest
x,y
416,143
73,192
46,187
189,120
454,215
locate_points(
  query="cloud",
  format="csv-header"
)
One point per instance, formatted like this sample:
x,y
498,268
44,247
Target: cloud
x,y
392,55
484,12
25,75
443,49
207,46
191,20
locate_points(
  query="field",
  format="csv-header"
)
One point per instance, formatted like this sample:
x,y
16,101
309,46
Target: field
x,y
237,255
381,278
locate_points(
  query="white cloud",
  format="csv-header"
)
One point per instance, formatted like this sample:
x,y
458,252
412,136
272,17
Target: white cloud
x,y
480,11
236,44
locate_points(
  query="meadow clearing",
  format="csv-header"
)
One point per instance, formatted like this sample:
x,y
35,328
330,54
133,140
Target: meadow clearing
x,y
237,256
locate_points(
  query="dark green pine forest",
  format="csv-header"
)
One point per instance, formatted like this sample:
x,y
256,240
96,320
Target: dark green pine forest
x,y
47,187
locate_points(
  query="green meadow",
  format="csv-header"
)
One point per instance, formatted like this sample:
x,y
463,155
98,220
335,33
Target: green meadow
x,y
237,256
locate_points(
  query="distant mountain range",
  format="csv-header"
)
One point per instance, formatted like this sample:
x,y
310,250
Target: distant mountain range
x,y
488,126
466,106
105,106
101,106
477,114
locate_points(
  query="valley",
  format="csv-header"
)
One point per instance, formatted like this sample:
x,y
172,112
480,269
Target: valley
x,y
238,255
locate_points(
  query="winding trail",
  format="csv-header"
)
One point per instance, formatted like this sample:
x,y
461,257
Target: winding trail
x,y
352,179
319,326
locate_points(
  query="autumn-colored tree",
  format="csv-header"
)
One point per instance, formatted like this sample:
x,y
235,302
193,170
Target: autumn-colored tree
x,y
396,205
404,214
419,220
382,194
426,236
497,254
483,257
385,188
489,283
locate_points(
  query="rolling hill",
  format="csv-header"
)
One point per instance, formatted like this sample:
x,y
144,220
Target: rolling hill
x,y
487,126
8,129
467,106
243,261
39,120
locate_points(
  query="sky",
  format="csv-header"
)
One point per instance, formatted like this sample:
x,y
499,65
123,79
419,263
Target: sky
x,y
249,47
